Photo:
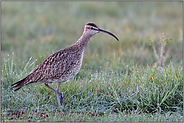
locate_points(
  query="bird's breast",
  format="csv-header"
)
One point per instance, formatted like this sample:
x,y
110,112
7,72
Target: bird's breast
x,y
73,65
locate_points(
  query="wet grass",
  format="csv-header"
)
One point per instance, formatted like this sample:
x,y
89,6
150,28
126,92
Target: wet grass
x,y
139,78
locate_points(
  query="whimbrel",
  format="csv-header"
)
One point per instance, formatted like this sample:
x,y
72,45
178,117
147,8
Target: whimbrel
x,y
62,65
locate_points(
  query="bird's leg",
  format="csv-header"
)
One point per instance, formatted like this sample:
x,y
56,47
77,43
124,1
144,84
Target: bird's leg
x,y
59,94
50,87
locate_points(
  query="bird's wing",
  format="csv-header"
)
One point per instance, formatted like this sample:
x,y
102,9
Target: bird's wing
x,y
53,67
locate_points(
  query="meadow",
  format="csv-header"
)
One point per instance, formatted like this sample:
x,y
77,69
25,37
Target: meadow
x,y
138,79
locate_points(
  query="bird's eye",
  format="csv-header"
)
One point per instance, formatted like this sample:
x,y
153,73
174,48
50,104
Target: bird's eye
x,y
92,28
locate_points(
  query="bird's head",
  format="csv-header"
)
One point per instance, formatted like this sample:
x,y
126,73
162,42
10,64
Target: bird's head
x,y
92,29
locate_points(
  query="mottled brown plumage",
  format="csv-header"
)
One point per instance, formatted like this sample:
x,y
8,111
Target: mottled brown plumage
x,y
63,64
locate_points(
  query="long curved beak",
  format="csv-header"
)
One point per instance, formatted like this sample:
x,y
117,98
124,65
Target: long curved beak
x,y
101,30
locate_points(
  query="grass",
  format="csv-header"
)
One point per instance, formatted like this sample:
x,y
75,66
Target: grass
x,y
139,78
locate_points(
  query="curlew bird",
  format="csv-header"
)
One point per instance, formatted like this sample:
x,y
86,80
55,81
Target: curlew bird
x,y
62,65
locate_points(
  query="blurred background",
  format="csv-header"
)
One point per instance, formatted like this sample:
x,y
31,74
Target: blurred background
x,y
115,76
37,29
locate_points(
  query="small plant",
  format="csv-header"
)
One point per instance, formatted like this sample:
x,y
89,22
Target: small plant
x,y
162,57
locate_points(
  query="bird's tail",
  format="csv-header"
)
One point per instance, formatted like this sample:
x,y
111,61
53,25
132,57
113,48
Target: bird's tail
x,y
18,84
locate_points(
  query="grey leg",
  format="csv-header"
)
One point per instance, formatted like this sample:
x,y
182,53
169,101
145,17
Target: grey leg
x,y
50,87
59,94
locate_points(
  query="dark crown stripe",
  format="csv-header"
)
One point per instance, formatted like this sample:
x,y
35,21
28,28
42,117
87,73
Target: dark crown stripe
x,y
92,24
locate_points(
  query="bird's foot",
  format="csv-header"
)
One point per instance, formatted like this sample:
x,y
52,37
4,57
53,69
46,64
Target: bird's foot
x,y
60,98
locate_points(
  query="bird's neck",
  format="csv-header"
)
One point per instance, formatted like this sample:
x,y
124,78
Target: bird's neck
x,y
83,41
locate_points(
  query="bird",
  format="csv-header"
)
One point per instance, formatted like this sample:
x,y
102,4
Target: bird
x,y
62,65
